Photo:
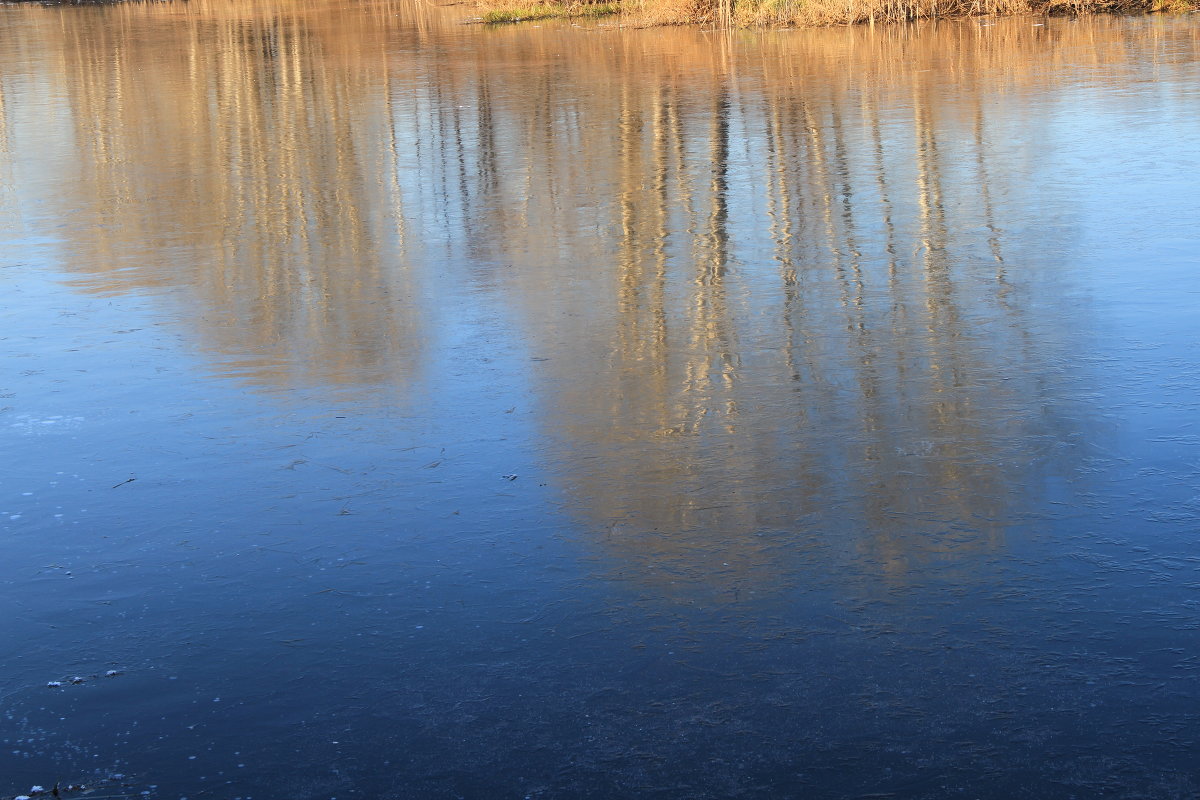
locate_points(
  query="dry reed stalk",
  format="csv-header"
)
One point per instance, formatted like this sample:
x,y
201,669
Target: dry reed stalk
x,y
821,13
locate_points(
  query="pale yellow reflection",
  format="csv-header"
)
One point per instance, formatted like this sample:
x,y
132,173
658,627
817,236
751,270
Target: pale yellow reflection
x,y
799,312
764,275
245,154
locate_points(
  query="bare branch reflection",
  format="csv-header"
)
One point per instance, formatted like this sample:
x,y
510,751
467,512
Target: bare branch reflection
x,y
763,276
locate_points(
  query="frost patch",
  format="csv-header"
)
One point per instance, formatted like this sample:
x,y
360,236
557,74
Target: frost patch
x,y
31,425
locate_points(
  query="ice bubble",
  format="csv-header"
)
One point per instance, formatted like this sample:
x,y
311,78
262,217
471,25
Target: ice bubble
x,y
55,684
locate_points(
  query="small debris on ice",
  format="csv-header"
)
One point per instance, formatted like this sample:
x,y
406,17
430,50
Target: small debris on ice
x,y
512,477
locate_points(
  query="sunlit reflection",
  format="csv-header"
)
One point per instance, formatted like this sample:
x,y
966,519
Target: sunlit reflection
x,y
759,275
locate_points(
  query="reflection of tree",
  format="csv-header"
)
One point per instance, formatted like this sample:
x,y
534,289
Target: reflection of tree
x,y
879,370
772,281
221,149
6,180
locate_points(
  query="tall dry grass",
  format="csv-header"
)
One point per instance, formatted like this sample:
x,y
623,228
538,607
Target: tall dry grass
x,y
746,13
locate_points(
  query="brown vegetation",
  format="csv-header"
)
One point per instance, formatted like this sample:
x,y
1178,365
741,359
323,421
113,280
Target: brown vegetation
x,y
552,9
746,13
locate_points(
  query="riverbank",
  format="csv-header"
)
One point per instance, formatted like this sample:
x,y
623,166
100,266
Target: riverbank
x,y
810,13
529,11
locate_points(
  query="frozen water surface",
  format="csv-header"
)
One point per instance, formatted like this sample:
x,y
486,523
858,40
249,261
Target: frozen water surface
x,y
399,408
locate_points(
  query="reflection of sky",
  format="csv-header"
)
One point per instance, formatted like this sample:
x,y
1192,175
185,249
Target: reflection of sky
x,y
889,391
1136,262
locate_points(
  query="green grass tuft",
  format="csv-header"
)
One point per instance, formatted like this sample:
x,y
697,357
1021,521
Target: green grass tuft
x,y
506,14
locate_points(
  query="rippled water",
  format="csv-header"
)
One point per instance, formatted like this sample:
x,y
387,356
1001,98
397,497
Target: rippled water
x,y
405,408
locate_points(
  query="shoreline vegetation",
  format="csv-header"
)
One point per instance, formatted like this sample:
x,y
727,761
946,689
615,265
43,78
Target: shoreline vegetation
x,y
500,14
806,13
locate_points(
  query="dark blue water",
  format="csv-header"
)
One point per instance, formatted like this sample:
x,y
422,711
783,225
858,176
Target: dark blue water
x,y
402,408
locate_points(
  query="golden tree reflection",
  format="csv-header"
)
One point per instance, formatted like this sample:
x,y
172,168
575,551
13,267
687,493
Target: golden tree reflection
x,y
765,275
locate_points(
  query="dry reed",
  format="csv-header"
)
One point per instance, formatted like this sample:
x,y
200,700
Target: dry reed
x,y
748,13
